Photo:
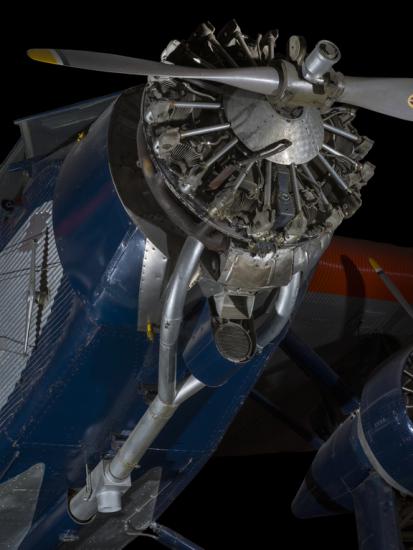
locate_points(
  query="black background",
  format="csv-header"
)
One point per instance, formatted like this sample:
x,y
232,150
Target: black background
x,y
234,502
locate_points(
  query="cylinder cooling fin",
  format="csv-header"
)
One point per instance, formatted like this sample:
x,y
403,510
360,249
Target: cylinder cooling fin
x,y
273,178
263,183
264,174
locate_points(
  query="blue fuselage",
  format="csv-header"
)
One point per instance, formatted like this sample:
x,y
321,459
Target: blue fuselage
x,y
90,374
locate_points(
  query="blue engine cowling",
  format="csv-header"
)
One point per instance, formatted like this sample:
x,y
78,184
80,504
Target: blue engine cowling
x,y
377,439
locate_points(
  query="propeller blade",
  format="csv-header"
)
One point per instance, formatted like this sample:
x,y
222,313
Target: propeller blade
x,y
391,287
389,96
261,80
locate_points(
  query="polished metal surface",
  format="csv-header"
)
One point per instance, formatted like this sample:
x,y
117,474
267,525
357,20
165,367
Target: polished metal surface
x,y
257,125
333,173
253,272
205,130
217,154
297,48
320,61
327,148
206,173
309,174
110,480
234,305
296,188
116,532
194,179
196,105
264,247
187,389
144,433
107,489
341,132
18,500
389,96
150,286
283,308
262,80
172,315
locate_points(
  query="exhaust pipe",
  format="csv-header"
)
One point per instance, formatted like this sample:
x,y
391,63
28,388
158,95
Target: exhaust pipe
x,y
110,479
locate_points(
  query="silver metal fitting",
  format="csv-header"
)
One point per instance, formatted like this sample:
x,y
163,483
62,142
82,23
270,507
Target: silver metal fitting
x,y
320,61
109,490
111,479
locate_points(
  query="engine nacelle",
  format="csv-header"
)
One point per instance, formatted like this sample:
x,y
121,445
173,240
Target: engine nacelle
x,y
378,437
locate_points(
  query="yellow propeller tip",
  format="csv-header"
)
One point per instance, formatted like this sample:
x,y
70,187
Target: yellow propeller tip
x,y
44,56
375,265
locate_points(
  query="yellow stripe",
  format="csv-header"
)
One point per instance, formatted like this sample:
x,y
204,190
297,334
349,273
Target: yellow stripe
x,y
375,265
44,56
149,332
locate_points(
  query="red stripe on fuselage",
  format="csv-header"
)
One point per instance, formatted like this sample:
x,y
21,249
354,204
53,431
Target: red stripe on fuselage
x,y
344,269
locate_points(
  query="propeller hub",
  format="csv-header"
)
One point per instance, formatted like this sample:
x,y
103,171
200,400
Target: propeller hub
x,y
257,124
